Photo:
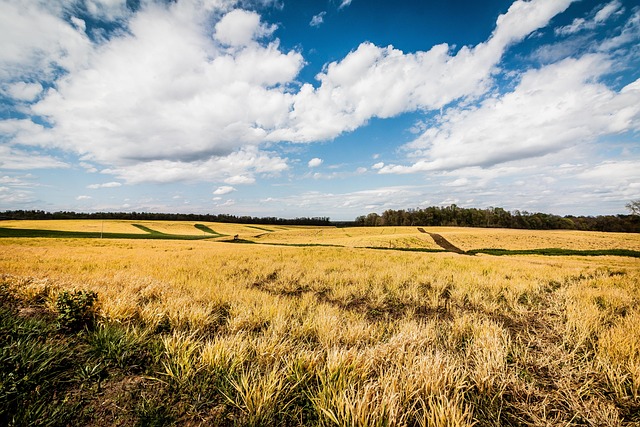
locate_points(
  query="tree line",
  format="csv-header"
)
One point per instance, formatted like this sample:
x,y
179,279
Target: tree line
x,y
498,218
432,216
147,216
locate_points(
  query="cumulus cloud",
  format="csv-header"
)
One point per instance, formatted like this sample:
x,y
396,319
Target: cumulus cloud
x,y
112,184
164,94
315,162
225,189
241,28
374,81
177,97
22,91
551,109
50,41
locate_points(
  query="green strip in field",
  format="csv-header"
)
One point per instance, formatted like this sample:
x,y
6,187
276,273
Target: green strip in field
x,y
206,229
382,248
557,252
295,245
151,234
260,228
148,230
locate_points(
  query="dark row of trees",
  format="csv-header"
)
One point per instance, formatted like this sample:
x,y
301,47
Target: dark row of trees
x,y
147,216
498,218
431,216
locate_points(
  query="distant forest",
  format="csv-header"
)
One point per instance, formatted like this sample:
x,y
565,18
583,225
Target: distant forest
x,y
145,216
431,216
499,218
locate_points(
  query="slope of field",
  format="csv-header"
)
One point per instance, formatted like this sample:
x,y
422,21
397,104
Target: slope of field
x,y
385,237
192,332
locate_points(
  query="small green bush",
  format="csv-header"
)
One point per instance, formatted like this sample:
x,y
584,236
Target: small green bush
x,y
76,309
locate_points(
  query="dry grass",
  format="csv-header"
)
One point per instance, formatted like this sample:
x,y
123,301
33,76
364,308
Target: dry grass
x,y
347,336
386,237
480,238
361,237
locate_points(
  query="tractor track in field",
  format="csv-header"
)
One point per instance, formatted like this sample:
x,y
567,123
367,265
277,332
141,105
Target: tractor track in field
x,y
442,242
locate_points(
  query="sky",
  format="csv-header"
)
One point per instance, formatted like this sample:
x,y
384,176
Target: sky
x,y
332,108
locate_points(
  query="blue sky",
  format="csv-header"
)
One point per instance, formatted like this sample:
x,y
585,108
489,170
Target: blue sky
x,y
319,108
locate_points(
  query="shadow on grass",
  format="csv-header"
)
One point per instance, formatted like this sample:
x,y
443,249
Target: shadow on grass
x,y
206,229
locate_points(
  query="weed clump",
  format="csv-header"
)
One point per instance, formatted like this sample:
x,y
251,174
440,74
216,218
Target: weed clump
x,y
76,309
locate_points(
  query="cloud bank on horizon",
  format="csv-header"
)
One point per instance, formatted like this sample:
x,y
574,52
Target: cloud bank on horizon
x,y
197,94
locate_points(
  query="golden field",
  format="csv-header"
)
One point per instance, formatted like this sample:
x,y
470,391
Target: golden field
x,y
361,337
93,226
387,237
478,238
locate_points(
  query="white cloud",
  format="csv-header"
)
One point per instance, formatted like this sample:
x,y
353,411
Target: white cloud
x,y
378,165
630,34
315,162
48,42
344,3
10,197
112,184
349,204
24,91
16,159
318,19
602,14
608,10
627,172
383,82
225,189
227,203
235,168
551,109
171,99
241,28
244,179
107,9
83,197
9,180
166,94
78,23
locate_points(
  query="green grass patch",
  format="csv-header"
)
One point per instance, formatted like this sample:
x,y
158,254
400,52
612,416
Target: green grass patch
x,y
406,249
149,230
36,365
58,234
260,228
557,252
206,229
